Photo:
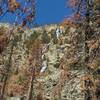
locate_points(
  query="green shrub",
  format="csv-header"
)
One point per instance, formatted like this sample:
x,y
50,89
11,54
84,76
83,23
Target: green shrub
x,y
45,37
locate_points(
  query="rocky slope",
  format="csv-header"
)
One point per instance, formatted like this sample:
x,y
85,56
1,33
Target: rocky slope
x,y
61,79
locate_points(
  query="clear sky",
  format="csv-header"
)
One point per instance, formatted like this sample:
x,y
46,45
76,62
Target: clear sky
x,y
51,11
47,12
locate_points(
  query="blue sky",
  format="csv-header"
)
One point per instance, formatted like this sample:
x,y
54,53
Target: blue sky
x,y
51,11
47,12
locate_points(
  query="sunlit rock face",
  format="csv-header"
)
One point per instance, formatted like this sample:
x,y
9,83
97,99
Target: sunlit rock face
x,y
51,80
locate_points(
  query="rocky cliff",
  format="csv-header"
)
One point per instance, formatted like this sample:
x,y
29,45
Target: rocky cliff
x,y
58,57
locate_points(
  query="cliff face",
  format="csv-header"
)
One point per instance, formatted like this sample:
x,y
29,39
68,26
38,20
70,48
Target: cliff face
x,y
59,62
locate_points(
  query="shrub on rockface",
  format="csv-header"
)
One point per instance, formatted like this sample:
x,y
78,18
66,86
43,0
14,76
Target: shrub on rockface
x,y
30,40
45,37
2,30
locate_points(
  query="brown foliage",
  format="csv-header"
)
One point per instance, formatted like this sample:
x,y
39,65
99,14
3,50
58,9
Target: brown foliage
x,y
36,50
68,22
13,5
16,7
73,3
3,42
56,92
18,84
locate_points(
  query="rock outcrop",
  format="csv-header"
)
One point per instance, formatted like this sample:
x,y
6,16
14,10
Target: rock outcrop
x,y
61,79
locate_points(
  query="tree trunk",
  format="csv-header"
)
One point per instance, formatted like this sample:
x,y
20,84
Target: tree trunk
x,y
29,97
88,93
7,74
